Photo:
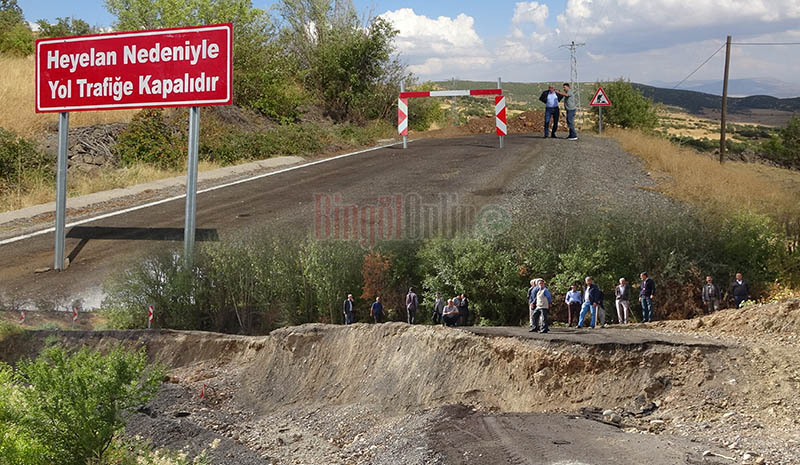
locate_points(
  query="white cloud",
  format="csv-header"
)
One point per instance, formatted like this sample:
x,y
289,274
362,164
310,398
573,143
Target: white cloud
x,y
530,12
435,45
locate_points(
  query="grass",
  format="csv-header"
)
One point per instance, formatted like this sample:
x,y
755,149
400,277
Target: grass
x,y
701,180
17,94
36,190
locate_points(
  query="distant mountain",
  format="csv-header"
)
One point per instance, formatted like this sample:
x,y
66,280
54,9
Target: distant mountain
x,y
699,102
739,87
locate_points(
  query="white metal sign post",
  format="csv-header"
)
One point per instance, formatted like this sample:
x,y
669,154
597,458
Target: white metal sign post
x,y
600,100
61,189
178,67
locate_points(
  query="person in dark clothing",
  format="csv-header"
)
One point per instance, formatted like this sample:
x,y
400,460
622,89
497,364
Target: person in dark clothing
x,y
412,304
463,309
377,310
348,310
438,307
740,290
550,98
646,296
711,295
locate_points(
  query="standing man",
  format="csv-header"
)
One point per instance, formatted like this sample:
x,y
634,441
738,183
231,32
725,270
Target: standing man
x,y
646,296
463,309
412,303
573,300
543,302
348,310
571,107
450,314
377,310
740,290
550,98
532,304
438,307
622,296
711,295
591,301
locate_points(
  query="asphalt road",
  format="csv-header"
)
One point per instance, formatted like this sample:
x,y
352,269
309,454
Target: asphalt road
x,y
431,174
436,187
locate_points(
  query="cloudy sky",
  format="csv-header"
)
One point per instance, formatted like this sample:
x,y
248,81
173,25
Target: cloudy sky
x,y
643,40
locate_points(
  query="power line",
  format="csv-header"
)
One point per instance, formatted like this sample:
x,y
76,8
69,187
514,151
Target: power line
x,y
698,68
765,43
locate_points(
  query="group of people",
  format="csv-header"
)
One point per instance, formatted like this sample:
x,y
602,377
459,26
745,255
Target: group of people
x,y
588,300
580,301
550,98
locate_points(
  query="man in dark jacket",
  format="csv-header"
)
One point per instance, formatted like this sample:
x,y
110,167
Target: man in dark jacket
x,y
438,307
740,290
592,298
463,309
348,310
711,295
646,296
550,98
412,304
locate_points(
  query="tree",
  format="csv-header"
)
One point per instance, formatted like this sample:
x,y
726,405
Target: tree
x,y
65,27
16,37
630,108
348,65
785,147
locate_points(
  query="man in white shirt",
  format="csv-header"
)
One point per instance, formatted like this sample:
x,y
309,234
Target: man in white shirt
x,y
550,98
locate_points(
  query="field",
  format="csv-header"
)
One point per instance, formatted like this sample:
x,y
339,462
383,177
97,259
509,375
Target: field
x,y
18,94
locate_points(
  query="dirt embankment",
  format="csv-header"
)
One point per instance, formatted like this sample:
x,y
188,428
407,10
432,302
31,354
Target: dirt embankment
x,y
368,394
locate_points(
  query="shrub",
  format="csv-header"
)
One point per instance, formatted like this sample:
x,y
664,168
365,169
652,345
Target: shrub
x,y
151,139
68,407
630,108
20,159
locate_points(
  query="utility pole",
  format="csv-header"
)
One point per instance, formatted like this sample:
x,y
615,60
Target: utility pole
x,y
724,101
573,74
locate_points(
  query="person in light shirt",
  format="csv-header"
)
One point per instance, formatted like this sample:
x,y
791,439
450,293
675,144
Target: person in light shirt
x,y
622,296
550,98
573,300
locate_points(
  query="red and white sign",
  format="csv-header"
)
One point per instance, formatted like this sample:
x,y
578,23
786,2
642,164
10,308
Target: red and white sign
x,y
402,116
21,317
600,99
500,115
149,314
74,314
190,66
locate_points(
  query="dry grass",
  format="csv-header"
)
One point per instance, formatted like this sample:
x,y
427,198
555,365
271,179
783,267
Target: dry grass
x,y
17,97
37,190
699,179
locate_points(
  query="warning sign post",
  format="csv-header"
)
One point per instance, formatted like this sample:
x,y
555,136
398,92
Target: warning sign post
x,y
600,100
190,66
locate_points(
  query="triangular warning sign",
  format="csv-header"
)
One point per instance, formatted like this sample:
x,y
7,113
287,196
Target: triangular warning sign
x,y
600,99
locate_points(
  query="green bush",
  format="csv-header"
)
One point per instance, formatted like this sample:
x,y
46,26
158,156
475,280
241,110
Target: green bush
x,y
151,139
67,408
16,37
20,159
630,109
784,148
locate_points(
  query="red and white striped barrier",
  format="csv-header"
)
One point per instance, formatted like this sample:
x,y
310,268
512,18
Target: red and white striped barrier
x,y
149,316
402,116
74,314
500,116
500,106
451,93
21,317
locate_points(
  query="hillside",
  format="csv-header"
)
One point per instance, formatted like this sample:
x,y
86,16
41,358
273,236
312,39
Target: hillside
x,y
759,108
